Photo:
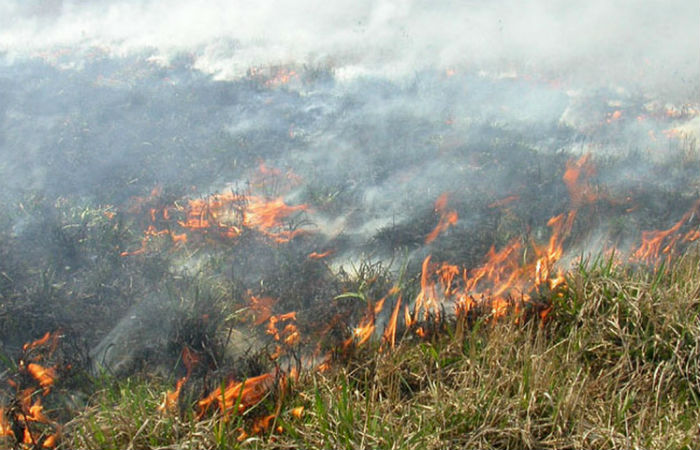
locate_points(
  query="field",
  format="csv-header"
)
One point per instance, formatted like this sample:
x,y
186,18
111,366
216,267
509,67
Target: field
x,y
346,252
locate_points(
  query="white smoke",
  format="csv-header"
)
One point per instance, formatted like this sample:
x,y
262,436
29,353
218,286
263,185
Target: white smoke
x,y
651,42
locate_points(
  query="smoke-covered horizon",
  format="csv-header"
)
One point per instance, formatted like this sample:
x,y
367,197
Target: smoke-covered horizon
x,y
650,45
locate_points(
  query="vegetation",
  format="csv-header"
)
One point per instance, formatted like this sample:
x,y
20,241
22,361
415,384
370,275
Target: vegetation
x,y
615,365
162,304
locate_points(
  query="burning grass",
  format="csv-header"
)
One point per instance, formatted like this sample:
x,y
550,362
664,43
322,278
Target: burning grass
x,y
614,366
266,317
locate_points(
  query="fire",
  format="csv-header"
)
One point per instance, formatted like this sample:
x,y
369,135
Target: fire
x,y
226,215
692,235
504,279
297,412
230,214
49,337
500,280
50,441
5,429
271,175
45,376
508,277
614,116
262,308
151,232
580,191
664,241
547,257
267,215
38,342
20,421
447,218
216,211
262,423
390,330
283,76
364,330
178,238
189,359
427,298
315,255
289,333
170,398
30,413
35,413
244,394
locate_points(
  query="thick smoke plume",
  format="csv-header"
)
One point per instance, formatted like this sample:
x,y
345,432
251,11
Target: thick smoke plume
x,y
647,43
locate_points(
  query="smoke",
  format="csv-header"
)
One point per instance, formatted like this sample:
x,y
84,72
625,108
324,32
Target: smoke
x,y
653,43
379,107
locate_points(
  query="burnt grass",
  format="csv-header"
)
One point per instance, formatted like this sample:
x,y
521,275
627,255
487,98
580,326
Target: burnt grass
x,y
62,269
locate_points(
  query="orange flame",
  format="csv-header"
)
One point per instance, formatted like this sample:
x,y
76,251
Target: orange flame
x,y
653,241
289,334
28,438
580,191
30,409
315,255
283,76
614,116
297,412
267,215
692,235
230,213
50,441
52,337
45,376
554,251
427,297
152,232
262,424
5,429
262,307
364,330
170,398
33,412
447,218
271,175
390,330
249,391
502,279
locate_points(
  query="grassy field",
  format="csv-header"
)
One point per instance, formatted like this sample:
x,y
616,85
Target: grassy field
x,y
614,365
174,321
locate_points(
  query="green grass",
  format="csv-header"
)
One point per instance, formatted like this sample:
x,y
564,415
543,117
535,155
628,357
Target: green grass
x,y
616,365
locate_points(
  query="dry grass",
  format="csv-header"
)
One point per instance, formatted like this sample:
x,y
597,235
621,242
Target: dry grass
x,y
615,366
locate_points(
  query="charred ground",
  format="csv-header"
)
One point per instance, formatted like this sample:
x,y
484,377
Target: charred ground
x,y
116,152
